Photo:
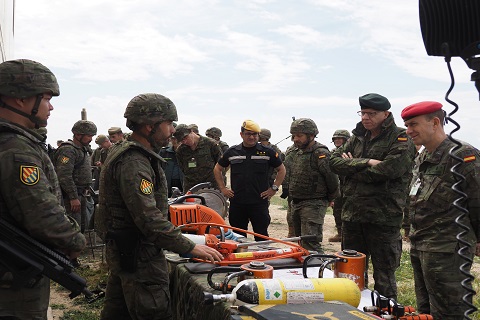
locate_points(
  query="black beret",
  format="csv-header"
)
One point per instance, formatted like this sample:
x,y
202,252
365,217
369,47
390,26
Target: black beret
x,y
374,101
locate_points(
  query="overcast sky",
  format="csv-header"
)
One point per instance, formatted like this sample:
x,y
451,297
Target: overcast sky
x,y
222,62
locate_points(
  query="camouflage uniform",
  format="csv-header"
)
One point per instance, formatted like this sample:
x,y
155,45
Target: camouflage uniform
x,y
223,146
285,195
72,164
375,197
197,165
311,186
215,133
30,199
434,246
133,199
337,207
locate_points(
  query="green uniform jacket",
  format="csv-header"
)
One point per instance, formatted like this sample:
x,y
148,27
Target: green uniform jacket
x,y
309,175
30,194
223,146
375,194
133,195
197,165
74,171
431,212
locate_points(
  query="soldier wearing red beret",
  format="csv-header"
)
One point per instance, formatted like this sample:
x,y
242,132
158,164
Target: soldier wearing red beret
x,y
436,264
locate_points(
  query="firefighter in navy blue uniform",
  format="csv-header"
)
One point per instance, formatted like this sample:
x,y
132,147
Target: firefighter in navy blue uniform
x,y
250,190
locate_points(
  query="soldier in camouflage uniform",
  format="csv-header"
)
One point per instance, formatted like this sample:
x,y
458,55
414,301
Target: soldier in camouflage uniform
x,y
264,138
29,191
285,195
311,184
132,216
434,244
376,162
215,134
196,156
72,164
339,138
115,134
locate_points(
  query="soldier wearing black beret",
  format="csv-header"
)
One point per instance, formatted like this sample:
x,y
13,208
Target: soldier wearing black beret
x,y
376,163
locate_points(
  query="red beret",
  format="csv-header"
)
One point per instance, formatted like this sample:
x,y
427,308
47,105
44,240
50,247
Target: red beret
x,y
420,108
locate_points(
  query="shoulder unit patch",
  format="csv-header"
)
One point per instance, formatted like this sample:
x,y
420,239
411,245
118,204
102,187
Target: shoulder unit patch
x,y
64,160
146,186
29,175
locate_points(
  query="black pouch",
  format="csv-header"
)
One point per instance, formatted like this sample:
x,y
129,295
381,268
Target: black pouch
x,y
128,243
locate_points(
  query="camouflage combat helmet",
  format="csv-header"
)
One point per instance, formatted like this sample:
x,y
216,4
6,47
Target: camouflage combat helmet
x,y
84,127
304,125
150,108
265,134
341,133
181,131
214,132
26,78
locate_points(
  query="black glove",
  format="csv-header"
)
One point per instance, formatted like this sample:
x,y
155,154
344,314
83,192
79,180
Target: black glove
x,y
284,194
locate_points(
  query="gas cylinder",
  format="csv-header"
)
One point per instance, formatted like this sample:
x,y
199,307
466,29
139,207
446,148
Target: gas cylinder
x,y
352,266
290,291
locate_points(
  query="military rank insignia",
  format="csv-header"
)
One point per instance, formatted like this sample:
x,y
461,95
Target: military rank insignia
x,y
146,186
402,139
64,160
469,158
322,156
29,175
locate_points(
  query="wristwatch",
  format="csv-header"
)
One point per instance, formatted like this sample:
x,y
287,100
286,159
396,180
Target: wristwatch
x,y
274,187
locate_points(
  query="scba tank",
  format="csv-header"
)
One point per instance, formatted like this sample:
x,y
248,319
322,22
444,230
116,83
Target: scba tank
x,y
284,291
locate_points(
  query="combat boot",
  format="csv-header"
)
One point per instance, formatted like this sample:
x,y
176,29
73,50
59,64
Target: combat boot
x,y
337,237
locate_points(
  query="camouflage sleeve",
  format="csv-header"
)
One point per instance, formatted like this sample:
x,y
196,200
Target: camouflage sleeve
x,y
180,160
331,179
64,166
471,171
135,178
216,152
397,163
33,203
347,167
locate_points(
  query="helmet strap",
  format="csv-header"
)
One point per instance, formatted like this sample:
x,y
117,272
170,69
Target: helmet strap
x,y
32,116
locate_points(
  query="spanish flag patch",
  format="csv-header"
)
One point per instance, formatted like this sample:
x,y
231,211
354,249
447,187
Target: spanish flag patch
x,y
29,175
469,158
322,156
64,160
402,139
146,186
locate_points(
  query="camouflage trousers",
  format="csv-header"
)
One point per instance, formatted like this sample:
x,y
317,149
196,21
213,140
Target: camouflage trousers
x,y
438,287
25,303
337,212
289,216
308,217
383,244
141,295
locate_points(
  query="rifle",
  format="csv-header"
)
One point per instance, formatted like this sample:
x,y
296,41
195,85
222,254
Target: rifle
x,y
27,259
